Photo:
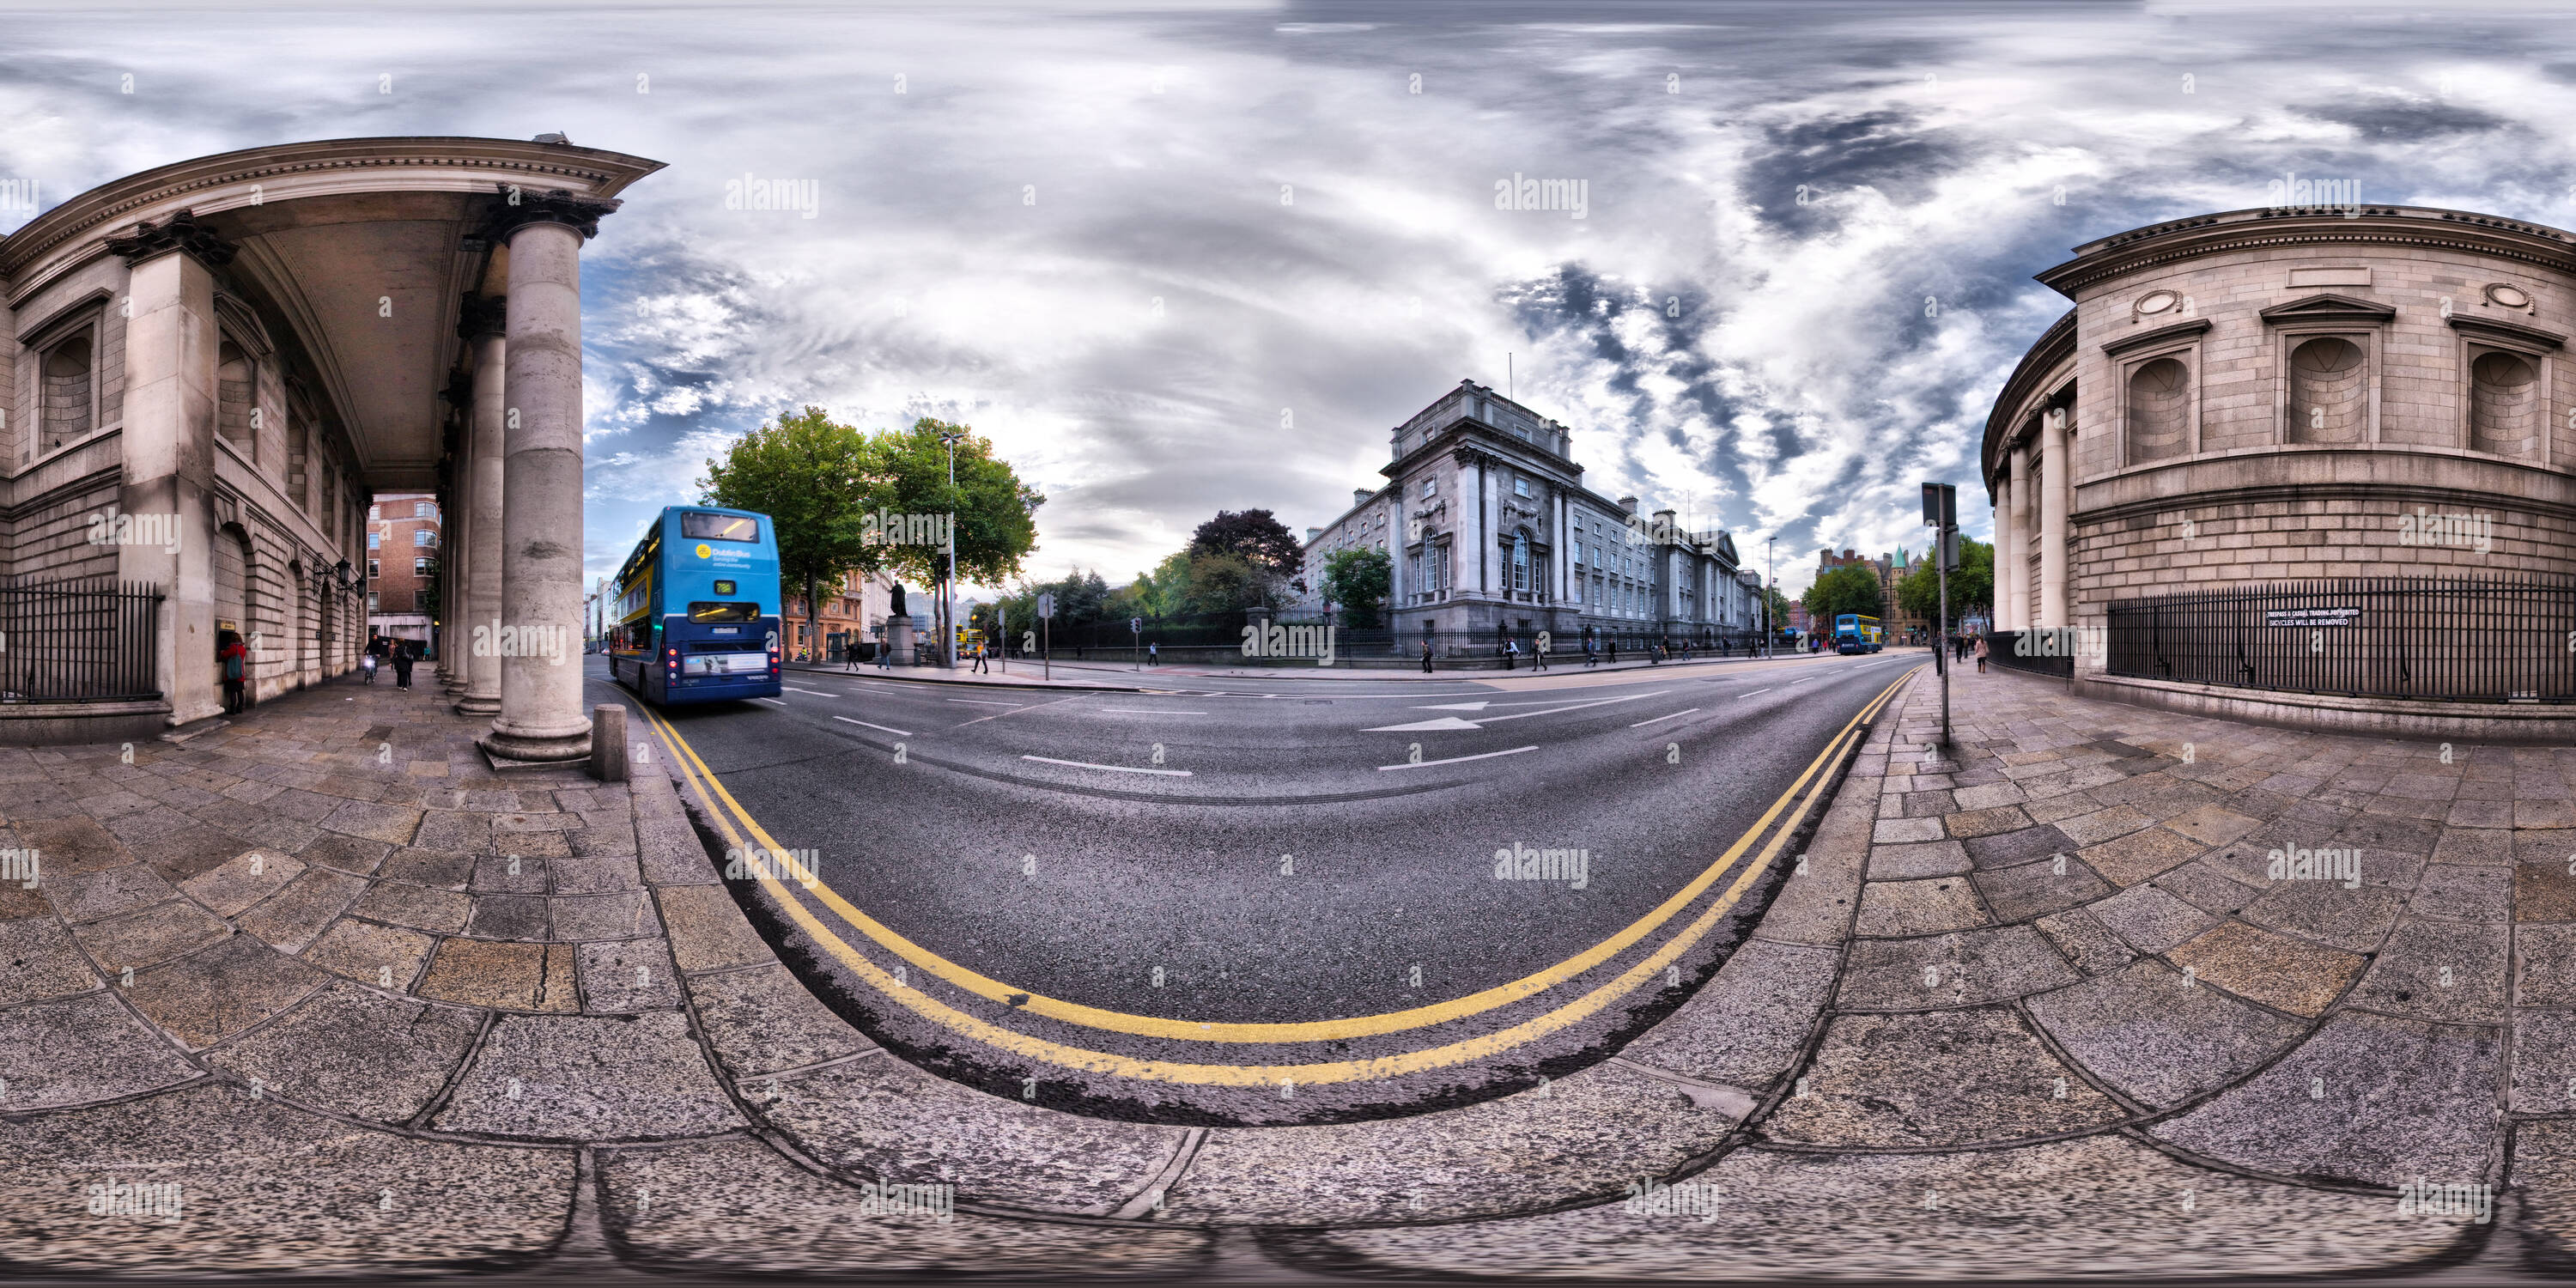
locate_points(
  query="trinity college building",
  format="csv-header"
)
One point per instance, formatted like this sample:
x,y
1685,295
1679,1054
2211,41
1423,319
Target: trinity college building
x,y
1492,535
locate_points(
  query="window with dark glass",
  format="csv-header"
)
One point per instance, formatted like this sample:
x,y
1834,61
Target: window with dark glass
x,y
707,611
699,525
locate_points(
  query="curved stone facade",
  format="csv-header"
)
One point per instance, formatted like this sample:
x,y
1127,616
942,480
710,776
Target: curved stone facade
x,y
2267,396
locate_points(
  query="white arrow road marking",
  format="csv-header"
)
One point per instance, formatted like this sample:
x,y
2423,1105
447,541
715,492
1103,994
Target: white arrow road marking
x,y
1150,711
1425,764
771,701
816,692
1453,722
1444,722
1115,769
888,728
1454,706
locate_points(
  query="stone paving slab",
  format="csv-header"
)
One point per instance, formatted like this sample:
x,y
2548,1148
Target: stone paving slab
x,y
2103,1206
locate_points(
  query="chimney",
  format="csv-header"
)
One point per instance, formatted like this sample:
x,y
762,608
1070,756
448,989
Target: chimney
x,y
1312,533
1360,496
1628,503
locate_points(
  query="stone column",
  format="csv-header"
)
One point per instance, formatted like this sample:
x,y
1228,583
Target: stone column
x,y
2052,521
480,603
2007,545
171,340
542,717
2023,524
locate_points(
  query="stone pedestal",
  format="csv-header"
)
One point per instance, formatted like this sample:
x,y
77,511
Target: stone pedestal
x,y
898,639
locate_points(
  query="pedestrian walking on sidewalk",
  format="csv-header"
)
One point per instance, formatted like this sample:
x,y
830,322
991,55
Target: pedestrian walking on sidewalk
x,y
235,662
1614,650
983,666
1981,655
1153,655
1591,654
1426,657
402,665
1538,652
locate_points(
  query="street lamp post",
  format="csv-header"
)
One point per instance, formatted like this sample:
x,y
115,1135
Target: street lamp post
x,y
1771,582
948,569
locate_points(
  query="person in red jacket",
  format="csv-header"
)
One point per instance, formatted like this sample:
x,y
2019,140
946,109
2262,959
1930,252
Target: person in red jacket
x,y
235,662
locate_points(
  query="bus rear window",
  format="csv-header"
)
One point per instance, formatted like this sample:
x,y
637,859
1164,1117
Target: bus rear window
x,y
698,525
702,611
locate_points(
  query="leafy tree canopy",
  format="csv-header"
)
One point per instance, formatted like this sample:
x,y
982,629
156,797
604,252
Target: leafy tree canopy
x,y
1972,584
1852,588
1254,534
1359,580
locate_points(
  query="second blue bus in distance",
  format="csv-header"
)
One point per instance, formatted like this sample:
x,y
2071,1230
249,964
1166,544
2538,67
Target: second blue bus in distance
x,y
696,617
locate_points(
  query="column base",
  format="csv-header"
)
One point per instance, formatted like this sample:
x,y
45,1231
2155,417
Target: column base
x,y
502,744
470,705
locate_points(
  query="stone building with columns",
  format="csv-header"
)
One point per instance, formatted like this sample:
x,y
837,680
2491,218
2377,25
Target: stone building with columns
x,y
208,369
1491,534
2211,466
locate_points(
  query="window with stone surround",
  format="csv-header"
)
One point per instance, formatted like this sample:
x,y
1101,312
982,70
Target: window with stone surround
x,y
2329,391
2504,403
67,384
237,399
2159,410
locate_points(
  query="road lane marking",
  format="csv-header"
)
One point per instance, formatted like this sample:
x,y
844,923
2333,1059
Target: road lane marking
x,y
1426,764
885,728
979,702
1262,1075
1115,769
816,692
1150,711
1660,719
1455,722
1076,697
771,701
712,790
1747,695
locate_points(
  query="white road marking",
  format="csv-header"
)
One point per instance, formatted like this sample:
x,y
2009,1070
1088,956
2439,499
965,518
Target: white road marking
x,y
1453,722
816,692
1455,706
1747,695
1115,769
1424,726
979,702
1424,764
1149,711
888,728
771,701
1660,719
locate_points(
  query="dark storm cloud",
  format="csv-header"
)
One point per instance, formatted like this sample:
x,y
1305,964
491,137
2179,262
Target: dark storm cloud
x,y
2389,120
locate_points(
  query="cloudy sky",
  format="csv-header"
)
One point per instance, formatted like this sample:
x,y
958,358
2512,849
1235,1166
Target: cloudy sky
x,y
1174,257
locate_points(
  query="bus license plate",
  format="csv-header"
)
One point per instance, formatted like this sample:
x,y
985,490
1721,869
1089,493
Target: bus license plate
x,y
726,663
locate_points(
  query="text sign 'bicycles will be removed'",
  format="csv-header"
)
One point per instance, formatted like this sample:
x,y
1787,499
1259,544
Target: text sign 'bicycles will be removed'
x,y
2311,616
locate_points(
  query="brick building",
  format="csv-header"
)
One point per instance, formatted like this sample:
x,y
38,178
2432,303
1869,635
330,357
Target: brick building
x,y
402,554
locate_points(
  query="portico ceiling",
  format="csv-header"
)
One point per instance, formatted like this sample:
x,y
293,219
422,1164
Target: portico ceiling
x,y
354,252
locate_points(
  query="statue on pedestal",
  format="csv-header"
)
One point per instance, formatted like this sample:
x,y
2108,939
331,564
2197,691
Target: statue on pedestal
x,y
897,610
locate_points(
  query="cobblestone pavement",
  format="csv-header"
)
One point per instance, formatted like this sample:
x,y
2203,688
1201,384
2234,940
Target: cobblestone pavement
x,y
2038,1008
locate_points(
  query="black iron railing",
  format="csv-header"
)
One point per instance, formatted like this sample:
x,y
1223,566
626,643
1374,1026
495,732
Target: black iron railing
x,y
78,641
2038,652
2474,639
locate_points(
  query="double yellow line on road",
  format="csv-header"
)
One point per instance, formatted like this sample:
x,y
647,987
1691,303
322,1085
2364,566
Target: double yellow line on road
x,y
727,813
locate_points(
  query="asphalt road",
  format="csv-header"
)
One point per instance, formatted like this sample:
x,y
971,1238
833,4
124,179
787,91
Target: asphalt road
x,y
1139,879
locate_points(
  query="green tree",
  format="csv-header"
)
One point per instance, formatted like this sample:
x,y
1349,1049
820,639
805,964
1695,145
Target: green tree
x,y
1359,581
1257,535
996,514
1779,609
813,478
1224,582
1972,585
1852,588
1164,592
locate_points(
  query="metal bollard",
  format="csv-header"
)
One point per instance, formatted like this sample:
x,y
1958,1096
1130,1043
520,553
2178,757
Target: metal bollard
x,y
608,742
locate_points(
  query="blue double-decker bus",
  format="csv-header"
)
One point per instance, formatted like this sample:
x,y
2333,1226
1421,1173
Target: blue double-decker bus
x,y
696,617
1856,633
